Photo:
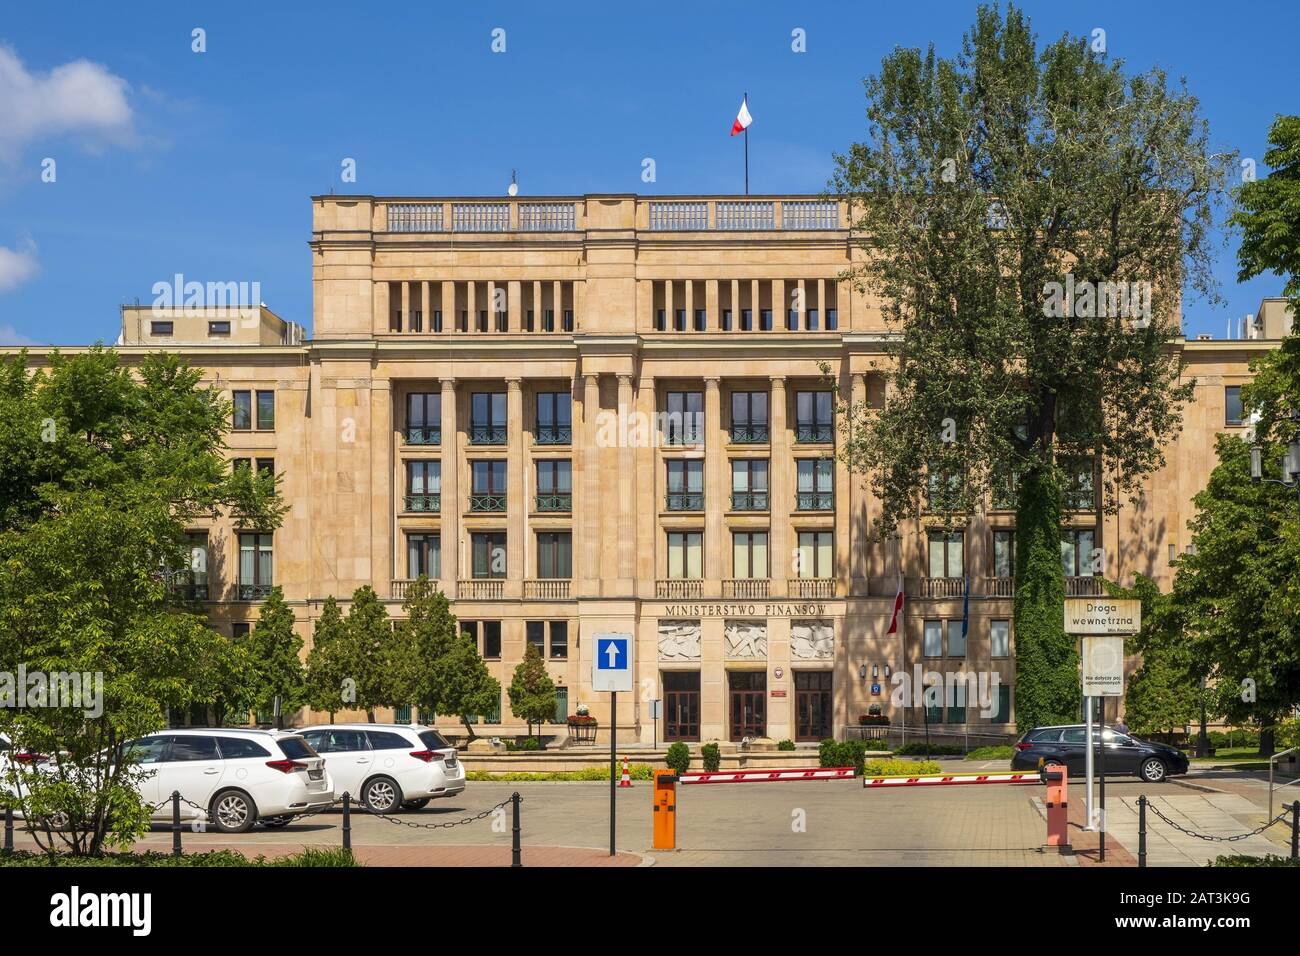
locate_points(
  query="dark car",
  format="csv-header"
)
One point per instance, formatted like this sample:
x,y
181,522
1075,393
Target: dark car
x,y
1125,755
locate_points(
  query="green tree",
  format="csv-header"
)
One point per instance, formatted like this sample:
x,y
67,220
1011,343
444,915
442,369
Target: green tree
x,y
1163,695
427,635
532,692
466,688
992,185
368,651
327,667
1268,212
102,470
274,648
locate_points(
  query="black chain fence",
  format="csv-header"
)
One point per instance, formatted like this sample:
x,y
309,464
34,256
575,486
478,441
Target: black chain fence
x,y
1144,804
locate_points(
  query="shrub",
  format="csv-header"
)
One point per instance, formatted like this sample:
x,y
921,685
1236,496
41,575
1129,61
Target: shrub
x,y
918,748
785,745
310,856
712,757
900,768
992,753
637,771
526,743
847,753
1269,860
679,757
877,743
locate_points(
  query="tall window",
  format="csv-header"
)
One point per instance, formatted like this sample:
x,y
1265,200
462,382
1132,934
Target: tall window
x,y
254,566
1079,494
941,488
1233,413
1076,551
683,418
191,583
554,554
242,416
749,419
554,485
999,638
946,554
554,418
535,634
488,554
487,418
749,554
956,639
685,484
492,645
1004,554
423,556
813,421
749,484
815,554
559,641
487,485
265,411
423,418
685,554
932,640
423,485
816,484
1002,712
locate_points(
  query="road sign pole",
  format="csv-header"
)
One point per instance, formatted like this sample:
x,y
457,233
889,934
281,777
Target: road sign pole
x,y
1087,791
613,794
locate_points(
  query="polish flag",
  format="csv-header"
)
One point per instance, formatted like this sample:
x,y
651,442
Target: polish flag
x,y
743,119
898,609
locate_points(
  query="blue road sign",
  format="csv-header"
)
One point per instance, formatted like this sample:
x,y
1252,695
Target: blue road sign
x,y
611,666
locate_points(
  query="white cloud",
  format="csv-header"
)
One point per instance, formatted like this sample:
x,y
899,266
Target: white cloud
x,y
17,265
78,97
9,336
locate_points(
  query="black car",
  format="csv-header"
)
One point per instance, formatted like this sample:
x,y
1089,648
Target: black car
x,y
1125,755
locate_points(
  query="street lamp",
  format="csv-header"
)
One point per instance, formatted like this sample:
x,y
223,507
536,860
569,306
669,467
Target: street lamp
x,y
1290,461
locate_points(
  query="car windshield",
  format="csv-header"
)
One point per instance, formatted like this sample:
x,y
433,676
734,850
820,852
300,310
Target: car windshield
x,y
295,748
434,740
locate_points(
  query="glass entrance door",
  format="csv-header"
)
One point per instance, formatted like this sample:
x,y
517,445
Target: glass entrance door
x,y
812,703
748,703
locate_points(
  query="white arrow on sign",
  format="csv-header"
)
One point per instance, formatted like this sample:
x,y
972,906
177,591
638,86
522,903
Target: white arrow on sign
x,y
612,649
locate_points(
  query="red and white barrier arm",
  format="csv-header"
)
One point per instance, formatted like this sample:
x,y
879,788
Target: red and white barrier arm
x,y
767,776
951,779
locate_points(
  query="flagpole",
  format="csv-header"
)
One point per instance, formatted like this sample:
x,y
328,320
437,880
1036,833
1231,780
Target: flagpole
x,y
746,102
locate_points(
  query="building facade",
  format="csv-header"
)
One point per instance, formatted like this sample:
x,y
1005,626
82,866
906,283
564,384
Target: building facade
x,y
608,413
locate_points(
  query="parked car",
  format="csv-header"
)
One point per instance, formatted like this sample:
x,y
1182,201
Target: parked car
x,y
1125,755
388,766
9,759
237,777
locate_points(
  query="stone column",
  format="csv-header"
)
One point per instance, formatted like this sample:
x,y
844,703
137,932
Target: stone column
x,y
648,470
626,495
426,308
514,306
781,484
854,497
404,319
449,521
715,490
449,309
381,306
516,507
712,313
591,485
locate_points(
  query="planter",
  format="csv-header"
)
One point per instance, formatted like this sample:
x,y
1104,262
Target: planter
x,y
583,732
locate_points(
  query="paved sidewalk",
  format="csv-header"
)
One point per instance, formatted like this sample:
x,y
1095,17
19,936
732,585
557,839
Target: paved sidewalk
x,y
1210,814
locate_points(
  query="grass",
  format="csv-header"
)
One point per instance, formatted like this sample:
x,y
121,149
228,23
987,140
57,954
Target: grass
x,y
1005,752
637,771
309,857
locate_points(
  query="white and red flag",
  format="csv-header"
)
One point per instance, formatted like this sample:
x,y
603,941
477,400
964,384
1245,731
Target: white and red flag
x,y
898,609
743,119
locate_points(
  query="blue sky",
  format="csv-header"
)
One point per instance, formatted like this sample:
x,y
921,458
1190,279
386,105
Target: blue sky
x,y
173,161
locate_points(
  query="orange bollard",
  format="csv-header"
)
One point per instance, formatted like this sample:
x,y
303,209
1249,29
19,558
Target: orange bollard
x,y
664,798
1058,818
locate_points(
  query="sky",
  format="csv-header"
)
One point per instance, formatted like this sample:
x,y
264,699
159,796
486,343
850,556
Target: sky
x,y
167,160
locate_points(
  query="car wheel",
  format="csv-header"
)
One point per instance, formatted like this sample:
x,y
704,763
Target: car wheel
x,y
381,795
274,823
415,804
1153,770
233,812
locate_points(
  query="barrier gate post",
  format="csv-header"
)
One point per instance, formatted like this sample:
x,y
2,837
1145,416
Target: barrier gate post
x,y
664,796
1058,818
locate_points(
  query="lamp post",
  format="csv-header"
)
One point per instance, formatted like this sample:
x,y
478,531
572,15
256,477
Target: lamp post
x,y
1290,462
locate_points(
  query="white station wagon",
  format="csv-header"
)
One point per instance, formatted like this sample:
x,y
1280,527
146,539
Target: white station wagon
x,y
387,766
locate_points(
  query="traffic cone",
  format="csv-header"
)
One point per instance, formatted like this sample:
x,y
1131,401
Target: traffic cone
x,y
626,779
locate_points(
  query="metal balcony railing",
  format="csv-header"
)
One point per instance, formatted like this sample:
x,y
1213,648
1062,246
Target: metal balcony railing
x,y
190,592
749,501
423,435
685,501
487,434
553,435
819,433
749,434
546,589
812,587
755,588
479,503
555,501
815,501
254,592
679,588
423,503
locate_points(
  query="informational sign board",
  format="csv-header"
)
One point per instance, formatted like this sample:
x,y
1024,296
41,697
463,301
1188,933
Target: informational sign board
x,y
611,667
1103,665
656,709
1102,615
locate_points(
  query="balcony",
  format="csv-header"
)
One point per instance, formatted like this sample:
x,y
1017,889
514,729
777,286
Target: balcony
x,y
553,435
814,434
679,588
487,434
547,589
431,504
190,592
481,589
749,434
752,588
943,587
423,435
555,501
741,215
685,501
1089,586
815,501
812,587
399,587
254,592
749,501
479,504
1000,587
745,215
479,216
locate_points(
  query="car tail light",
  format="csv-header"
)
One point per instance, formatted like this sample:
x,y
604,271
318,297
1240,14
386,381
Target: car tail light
x,y
286,766
1023,745
26,756
425,755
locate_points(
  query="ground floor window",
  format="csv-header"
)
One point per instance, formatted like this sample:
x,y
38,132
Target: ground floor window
x,y
681,705
748,704
812,705
1002,713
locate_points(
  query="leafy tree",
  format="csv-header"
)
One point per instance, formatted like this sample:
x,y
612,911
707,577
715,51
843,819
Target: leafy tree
x,y
368,650
1268,212
327,667
1164,693
426,636
532,692
102,469
992,184
466,688
273,648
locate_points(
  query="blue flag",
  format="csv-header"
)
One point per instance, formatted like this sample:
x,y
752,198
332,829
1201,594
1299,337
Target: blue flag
x,y
965,611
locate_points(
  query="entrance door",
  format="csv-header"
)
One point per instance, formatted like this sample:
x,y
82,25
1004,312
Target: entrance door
x,y
681,705
812,705
748,703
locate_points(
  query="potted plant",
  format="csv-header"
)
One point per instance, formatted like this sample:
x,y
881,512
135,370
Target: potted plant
x,y
582,726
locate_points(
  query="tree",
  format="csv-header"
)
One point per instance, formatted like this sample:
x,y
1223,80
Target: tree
x,y
532,692
273,648
368,650
327,668
1027,219
102,470
1268,212
1163,695
426,636
466,688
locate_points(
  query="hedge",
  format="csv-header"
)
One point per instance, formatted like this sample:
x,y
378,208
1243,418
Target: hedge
x,y
889,767
309,857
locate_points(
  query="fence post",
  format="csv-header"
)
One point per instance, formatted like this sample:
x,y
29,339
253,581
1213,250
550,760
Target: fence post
x,y
1142,830
1295,830
347,823
514,836
9,831
176,823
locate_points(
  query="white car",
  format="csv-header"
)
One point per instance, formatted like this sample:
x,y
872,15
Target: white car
x,y
21,761
387,766
233,778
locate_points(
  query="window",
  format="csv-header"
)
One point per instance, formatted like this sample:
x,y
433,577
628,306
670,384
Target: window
x,y
679,320
554,485
487,416
487,485
423,486
956,639
265,411
1078,492
554,419
239,630
1006,489
423,418
186,747
749,421
488,554
559,640
1232,410
161,328
243,413
685,554
945,554
1002,712
424,556
191,583
749,484
700,320
490,631
765,320
384,740
567,321
240,748
146,750
402,712
812,320
832,320
746,319
685,484
813,420
815,484
1004,554
218,328
932,641
1076,552
548,320
957,709
942,489
554,554
999,638
726,320
265,466
535,634
815,554
254,566
683,421
792,320
749,554
660,325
